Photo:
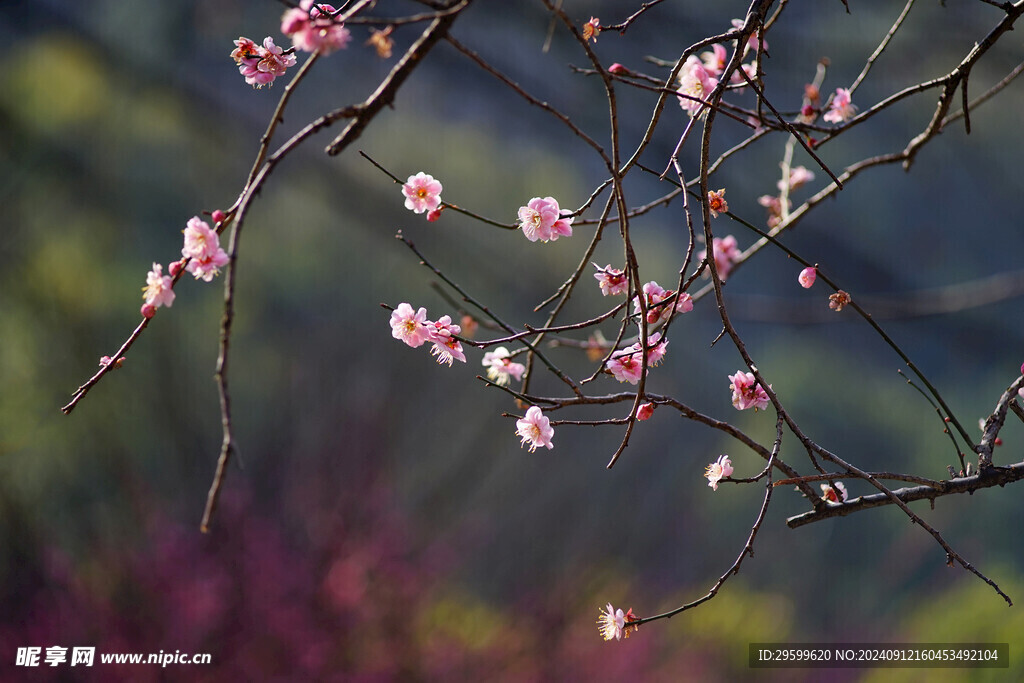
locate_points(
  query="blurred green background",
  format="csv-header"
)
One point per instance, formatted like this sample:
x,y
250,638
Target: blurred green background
x,y
386,525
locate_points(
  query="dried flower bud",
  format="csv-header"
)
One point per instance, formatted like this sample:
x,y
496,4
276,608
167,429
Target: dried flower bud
x,y
838,300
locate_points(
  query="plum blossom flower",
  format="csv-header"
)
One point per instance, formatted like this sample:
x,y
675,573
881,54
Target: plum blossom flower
x,y
261,64
500,366
202,248
592,29
842,108
446,347
536,428
752,41
541,219
655,294
159,288
422,193
838,300
611,280
656,349
410,326
714,61
830,494
747,392
611,623
717,203
807,277
311,30
774,206
625,365
726,253
694,86
645,411
718,470
798,177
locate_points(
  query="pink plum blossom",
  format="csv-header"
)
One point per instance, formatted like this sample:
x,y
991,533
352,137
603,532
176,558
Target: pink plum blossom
x,y
611,623
446,347
541,219
626,365
694,86
500,367
159,288
656,349
261,64
422,193
410,326
536,428
718,470
747,392
830,494
774,206
714,61
717,203
202,247
618,70
842,108
655,294
726,253
752,41
807,277
798,177
311,30
592,29
611,280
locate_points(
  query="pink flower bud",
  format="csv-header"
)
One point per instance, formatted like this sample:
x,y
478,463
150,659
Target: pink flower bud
x,y
105,360
174,268
1022,369
645,411
618,69
807,277
148,310
218,216
807,111
434,214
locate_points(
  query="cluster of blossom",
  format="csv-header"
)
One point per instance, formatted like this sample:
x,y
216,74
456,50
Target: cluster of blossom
x,y
202,256
611,280
413,328
726,253
312,28
798,177
261,64
536,429
841,108
747,392
626,365
541,219
613,623
501,368
654,294
699,76
718,470
834,495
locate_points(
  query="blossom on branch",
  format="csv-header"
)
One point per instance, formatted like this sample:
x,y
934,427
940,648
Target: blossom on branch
x,y
446,347
500,367
202,247
747,392
422,193
541,219
312,30
838,300
611,623
714,61
159,288
592,29
536,428
694,85
261,64
798,177
726,254
717,203
807,277
752,41
645,411
842,108
611,280
654,294
718,470
830,494
410,326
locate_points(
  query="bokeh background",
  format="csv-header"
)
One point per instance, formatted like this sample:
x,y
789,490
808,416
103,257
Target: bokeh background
x,y
386,525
